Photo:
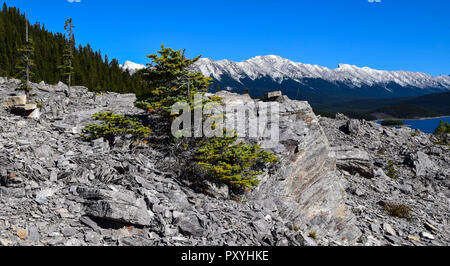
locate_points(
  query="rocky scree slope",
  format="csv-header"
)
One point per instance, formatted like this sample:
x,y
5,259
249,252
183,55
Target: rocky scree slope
x,y
419,178
57,189
304,188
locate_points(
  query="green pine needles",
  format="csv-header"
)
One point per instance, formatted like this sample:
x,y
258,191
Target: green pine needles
x,y
25,65
168,80
441,131
443,128
115,125
392,173
67,69
233,164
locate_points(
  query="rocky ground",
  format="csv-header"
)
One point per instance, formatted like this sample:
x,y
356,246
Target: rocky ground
x,y
57,189
420,180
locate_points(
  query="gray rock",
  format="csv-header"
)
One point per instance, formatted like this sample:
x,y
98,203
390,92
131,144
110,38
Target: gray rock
x,y
353,127
430,227
220,191
427,235
354,160
306,167
272,95
69,232
189,225
375,228
387,228
421,163
14,100
178,198
44,194
33,234
304,189
92,237
261,226
379,174
118,206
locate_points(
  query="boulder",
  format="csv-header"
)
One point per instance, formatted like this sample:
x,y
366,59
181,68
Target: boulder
x,y
44,87
353,127
189,225
272,95
446,138
340,116
14,100
304,187
117,206
421,163
27,110
354,160
25,107
79,91
35,114
61,86
379,173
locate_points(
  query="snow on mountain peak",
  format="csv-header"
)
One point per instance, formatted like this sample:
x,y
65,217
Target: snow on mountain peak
x,y
279,69
132,67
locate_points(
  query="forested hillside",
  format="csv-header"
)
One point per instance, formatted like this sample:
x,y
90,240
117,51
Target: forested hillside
x,y
436,104
91,69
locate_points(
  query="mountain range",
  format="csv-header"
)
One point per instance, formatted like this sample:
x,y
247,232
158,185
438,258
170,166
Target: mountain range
x,y
270,72
131,67
323,87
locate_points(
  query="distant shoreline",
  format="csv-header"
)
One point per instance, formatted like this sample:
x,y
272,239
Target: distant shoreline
x,y
425,118
409,119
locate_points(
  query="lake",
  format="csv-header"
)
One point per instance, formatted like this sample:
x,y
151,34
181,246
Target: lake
x,y
425,125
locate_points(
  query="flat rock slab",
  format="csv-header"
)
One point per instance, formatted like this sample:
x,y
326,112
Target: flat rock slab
x,y
354,160
13,101
118,206
25,107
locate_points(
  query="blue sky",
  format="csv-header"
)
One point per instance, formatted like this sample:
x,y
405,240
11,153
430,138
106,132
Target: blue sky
x,y
411,35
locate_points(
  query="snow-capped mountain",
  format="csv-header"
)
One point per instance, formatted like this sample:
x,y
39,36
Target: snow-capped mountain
x,y
132,67
279,69
312,82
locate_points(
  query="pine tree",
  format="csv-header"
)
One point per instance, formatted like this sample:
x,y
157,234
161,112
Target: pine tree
x,y
247,91
218,87
68,54
26,63
168,80
89,69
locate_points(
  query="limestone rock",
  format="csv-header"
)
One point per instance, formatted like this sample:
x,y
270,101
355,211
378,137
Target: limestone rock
x,y
67,191
189,224
27,110
402,153
353,127
305,188
421,163
427,235
14,100
118,206
272,95
354,160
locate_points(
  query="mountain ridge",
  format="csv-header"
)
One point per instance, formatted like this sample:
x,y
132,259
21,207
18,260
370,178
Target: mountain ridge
x,y
315,83
278,67
275,66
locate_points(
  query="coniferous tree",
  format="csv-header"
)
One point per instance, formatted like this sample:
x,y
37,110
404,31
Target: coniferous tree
x,y
26,63
89,67
68,54
218,87
168,80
